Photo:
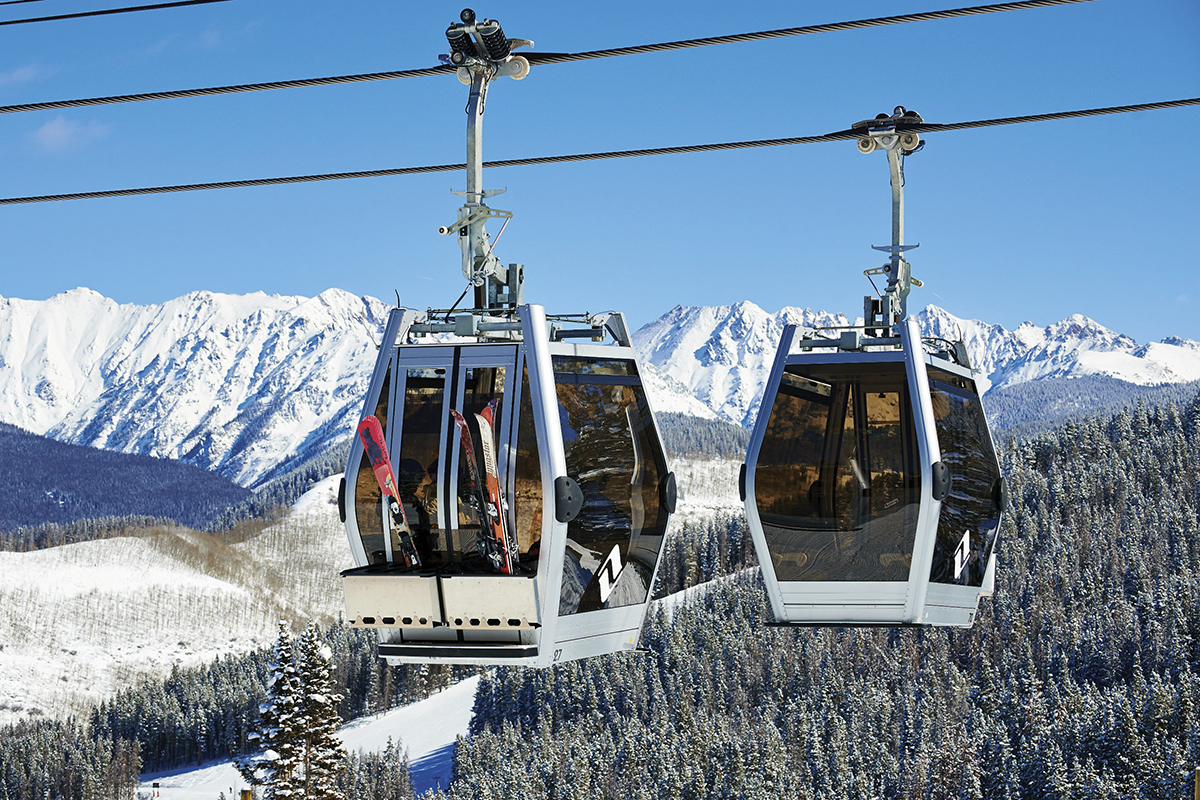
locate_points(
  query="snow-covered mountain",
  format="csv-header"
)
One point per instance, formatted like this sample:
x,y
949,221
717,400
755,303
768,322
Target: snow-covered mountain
x,y
723,353
240,384
236,384
233,384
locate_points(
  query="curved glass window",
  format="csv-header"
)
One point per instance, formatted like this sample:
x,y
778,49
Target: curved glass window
x,y
970,515
613,452
527,480
837,481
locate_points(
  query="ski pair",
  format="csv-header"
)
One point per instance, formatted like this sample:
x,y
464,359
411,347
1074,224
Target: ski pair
x,y
498,547
371,434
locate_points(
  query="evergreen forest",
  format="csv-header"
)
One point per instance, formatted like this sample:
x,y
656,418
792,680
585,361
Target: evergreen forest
x,y
1080,679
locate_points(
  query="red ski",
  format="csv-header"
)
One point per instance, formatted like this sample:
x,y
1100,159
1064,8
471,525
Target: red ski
x,y
499,522
491,548
371,434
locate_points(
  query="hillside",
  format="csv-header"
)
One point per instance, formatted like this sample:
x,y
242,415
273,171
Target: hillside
x,y
1079,680
86,619
51,482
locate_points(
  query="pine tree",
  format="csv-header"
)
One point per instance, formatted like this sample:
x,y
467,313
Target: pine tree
x,y
321,754
275,765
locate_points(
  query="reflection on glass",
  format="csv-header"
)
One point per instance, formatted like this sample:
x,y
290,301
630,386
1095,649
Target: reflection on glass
x,y
528,480
837,481
970,515
368,499
613,452
417,467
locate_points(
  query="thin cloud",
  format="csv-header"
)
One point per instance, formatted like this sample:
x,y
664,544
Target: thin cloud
x,y
61,134
20,75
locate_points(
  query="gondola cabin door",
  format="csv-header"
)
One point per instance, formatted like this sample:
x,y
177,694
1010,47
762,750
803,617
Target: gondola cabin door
x,y
578,475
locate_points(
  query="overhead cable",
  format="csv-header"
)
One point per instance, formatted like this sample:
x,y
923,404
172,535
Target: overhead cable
x,y
926,16
655,151
541,58
107,11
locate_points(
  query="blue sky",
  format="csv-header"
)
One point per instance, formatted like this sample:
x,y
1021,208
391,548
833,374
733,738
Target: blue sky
x,y
1098,216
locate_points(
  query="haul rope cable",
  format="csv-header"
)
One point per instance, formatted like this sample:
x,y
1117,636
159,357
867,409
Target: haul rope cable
x,y
544,58
106,11
657,151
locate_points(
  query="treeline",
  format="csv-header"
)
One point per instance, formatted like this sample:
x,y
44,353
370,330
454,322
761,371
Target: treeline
x,y
46,481
39,537
685,435
208,712
274,497
239,521
1081,678
1035,407
64,760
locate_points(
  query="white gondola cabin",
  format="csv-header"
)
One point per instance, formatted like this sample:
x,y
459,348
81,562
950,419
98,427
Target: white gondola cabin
x,y
586,487
871,483
872,486
520,516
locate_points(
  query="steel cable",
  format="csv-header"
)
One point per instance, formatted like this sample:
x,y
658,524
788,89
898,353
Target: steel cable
x,y
107,11
559,58
542,58
654,151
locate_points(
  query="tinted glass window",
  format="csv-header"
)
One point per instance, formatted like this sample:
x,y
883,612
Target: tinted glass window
x,y
613,451
837,481
417,467
970,515
528,480
368,498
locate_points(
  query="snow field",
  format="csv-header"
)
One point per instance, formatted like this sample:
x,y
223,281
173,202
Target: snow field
x,y
85,620
428,729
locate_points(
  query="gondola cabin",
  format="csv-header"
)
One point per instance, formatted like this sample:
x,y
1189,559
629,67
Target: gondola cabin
x,y
872,486
584,490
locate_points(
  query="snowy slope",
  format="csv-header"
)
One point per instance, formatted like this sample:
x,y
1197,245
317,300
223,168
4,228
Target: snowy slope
x,y
427,729
83,620
723,353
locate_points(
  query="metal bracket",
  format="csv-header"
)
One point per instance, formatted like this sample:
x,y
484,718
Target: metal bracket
x,y
480,213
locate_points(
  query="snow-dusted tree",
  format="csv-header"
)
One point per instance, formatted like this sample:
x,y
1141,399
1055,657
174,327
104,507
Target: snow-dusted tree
x,y
321,755
275,766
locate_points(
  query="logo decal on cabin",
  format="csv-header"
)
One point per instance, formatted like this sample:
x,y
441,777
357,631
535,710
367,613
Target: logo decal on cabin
x,y
609,572
962,555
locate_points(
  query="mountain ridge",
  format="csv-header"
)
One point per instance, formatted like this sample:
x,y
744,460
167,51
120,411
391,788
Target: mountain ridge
x,y
244,385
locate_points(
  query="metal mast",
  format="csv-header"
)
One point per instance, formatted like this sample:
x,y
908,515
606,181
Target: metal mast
x,y
887,133
481,52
